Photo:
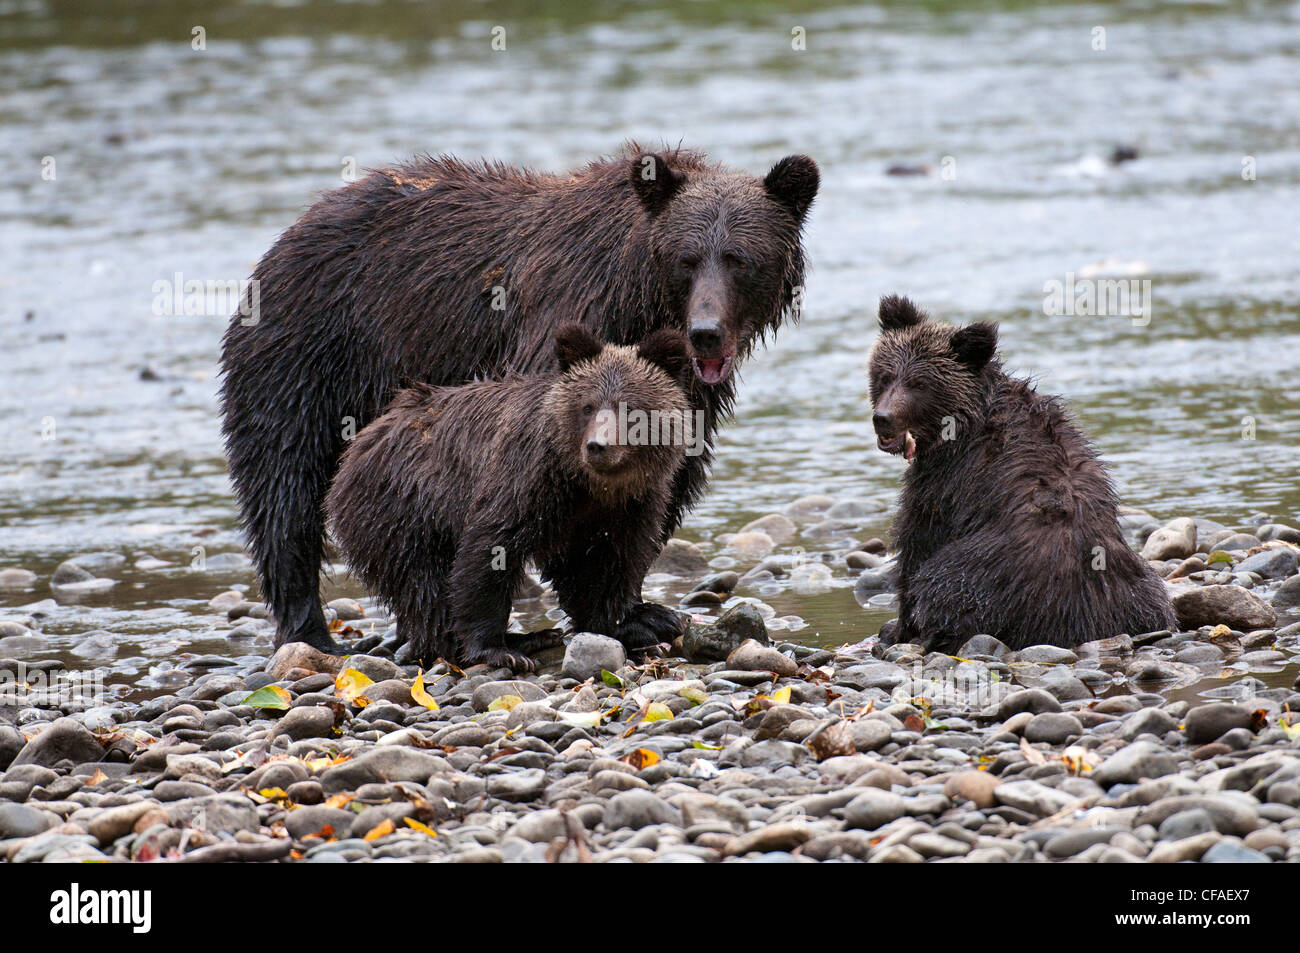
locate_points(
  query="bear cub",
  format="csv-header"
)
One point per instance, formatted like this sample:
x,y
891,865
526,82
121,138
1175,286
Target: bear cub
x,y
440,502
1008,522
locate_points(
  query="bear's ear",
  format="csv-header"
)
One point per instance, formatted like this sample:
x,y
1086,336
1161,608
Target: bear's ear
x,y
793,183
665,348
897,312
574,343
974,344
654,182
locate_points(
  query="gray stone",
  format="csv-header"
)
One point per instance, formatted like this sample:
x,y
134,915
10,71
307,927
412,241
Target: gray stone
x,y
1207,723
588,654
1053,728
1032,797
1271,563
1232,606
713,642
1133,763
19,820
65,738
872,809
1148,721
1186,823
381,764
1232,852
636,809
306,722
752,656
306,821
1175,540
489,692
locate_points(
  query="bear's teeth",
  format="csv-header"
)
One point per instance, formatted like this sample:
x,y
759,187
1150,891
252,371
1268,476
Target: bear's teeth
x,y
909,447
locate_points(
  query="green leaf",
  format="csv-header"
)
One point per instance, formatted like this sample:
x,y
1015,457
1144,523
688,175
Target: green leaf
x,y
610,679
269,696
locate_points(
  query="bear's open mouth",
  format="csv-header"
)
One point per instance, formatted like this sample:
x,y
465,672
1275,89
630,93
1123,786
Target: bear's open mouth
x,y
904,443
712,370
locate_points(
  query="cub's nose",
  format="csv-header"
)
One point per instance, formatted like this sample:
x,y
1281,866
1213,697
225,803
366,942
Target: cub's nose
x,y
596,448
883,423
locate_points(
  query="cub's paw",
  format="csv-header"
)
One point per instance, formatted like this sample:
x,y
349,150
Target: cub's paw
x,y
501,657
532,642
648,629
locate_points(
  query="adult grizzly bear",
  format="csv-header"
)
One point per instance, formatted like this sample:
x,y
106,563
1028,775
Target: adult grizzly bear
x,y
1007,524
444,271
439,503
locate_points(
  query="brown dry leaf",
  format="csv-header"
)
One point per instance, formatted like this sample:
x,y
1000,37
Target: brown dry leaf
x,y
1032,755
340,800
96,778
914,723
833,740
382,829
1259,720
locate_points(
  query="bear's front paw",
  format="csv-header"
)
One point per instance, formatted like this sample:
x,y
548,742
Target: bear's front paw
x,y
648,629
499,657
533,642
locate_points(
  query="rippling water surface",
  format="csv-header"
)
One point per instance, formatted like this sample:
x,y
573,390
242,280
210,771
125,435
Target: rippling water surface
x,y
170,161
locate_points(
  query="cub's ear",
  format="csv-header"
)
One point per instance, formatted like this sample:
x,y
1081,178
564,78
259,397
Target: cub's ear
x,y
665,348
897,312
653,181
974,344
793,183
574,343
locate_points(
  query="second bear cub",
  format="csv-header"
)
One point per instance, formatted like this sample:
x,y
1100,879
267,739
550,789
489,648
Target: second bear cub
x,y
440,503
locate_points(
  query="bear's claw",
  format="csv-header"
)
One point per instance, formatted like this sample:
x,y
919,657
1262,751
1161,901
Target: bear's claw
x,y
648,629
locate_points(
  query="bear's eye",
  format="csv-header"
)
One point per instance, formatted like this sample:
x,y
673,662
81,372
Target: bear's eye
x,y
735,262
588,410
689,262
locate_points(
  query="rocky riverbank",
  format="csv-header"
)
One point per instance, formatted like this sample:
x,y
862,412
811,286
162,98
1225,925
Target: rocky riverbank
x,y
1152,747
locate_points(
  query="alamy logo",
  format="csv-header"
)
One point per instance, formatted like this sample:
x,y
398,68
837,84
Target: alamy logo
x,y
1099,297
194,297
653,428
77,906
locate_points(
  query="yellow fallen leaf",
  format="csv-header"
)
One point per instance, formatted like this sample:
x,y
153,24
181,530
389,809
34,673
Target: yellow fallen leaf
x,y
350,684
382,829
640,758
340,800
96,778
658,711
696,696
781,696
415,825
584,719
505,703
421,695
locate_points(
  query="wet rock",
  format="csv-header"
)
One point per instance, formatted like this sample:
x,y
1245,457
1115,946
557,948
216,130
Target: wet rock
x,y
1229,851
1033,700
526,785
809,507
976,786
1032,797
873,581
1288,594
1271,564
751,545
19,820
1133,763
588,654
347,610
983,645
637,809
1210,722
680,558
786,835
777,527
119,821
1232,606
713,642
489,692
307,722
1175,540
300,655
873,809
751,656
1187,823
319,820
1053,728
1271,531
381,764
719,582
17,579
65,738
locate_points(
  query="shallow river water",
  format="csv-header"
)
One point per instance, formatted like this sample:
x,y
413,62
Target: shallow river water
x,y
134,159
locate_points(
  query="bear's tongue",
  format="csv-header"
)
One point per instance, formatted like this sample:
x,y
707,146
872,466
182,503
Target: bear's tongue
x,y
710,369
909,448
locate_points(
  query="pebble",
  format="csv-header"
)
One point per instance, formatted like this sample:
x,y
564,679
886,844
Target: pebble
x,y
589,654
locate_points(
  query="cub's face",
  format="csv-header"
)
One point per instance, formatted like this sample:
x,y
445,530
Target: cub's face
x,y
925,377
726,246
619,412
